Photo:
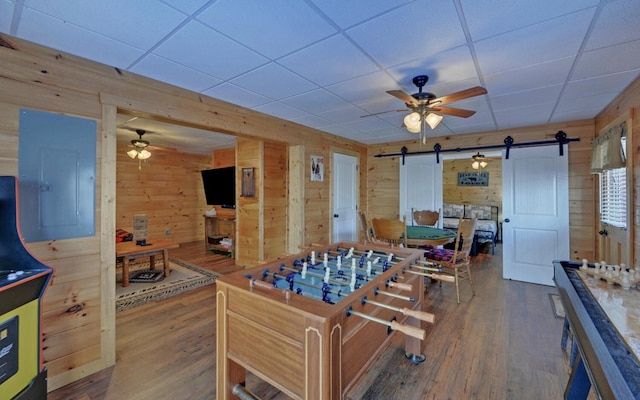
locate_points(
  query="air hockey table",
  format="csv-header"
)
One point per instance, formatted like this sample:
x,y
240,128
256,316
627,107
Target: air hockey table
x,y
604,321
310,324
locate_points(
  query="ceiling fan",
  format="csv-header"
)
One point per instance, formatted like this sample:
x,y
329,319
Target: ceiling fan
x,y
139,149
426,107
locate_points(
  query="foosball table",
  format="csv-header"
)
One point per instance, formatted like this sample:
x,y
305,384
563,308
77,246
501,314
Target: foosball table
x,y
310,324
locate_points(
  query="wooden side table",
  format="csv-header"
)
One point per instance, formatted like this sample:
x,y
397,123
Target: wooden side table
x,y
129,251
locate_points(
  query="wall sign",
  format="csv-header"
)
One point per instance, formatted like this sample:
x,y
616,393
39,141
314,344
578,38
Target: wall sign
x,y
473,179
317,169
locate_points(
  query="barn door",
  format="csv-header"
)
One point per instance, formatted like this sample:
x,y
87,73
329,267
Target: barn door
x,y
535,203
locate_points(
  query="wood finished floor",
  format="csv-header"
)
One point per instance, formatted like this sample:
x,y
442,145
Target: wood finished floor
x,y
504,343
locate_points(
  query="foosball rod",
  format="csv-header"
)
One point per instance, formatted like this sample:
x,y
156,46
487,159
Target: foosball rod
x,y
412,331
433,275
319,276
377,291
303,283
421,315
361,252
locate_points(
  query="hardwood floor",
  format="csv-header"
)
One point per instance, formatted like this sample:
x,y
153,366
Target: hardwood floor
x,y
504,343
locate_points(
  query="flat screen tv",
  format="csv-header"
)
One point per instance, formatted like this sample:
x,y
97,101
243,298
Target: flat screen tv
x,y
220,186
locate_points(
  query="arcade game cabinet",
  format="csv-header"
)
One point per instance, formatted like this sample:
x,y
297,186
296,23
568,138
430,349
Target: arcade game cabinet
x,y
23,280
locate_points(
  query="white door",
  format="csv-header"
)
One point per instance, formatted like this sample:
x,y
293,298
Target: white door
x,y
420,184
535,203
345,198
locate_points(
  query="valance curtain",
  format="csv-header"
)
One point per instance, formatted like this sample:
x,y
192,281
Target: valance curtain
x,y
607,150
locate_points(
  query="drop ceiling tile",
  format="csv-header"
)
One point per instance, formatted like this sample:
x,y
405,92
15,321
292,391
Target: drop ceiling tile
x,y
535,44
614,83
538,114
281,110
140,23
316,101
6,15
547,94
274,81
313,121
186,6
386,40
363,89
349,13
574,115
170,72
618,23
76,40
493,17
206,50
347,114
534,76
622,57
443,67
581,103
325,63
236,95
291,25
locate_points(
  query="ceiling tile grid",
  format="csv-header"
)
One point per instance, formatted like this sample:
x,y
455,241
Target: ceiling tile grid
x,y
328,64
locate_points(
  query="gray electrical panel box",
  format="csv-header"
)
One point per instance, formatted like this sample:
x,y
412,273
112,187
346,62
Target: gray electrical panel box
x,y
56,175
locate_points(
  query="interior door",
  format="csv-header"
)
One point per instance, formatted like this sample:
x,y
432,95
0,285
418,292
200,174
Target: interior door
x,y
420,185
345,197
535,205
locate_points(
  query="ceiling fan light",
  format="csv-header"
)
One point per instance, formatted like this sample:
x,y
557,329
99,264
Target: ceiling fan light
x,y
414,129
144,154
483,164
412,120
475,165
132,153
433,120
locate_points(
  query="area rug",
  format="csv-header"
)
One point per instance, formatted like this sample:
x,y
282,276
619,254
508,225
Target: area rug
x,y
556,305
183,278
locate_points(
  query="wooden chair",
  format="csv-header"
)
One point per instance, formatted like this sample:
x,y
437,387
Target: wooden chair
x,y
425,217
367,229
391,231
457,262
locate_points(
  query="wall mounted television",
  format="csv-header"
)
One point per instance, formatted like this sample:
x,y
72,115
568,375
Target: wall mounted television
x,y
220,186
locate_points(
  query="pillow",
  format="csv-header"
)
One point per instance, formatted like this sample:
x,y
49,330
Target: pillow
x,y
450,210
479,212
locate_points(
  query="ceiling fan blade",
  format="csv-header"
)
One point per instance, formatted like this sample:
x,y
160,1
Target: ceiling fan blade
x,y
456,112
463,94
403,96
382,112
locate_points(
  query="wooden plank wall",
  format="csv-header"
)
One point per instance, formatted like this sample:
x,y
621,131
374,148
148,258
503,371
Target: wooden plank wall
x,y
383,174
628,101
484,195
167,188
275,200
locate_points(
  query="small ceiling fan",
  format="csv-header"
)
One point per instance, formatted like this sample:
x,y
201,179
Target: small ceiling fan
x,y
426,107
139,149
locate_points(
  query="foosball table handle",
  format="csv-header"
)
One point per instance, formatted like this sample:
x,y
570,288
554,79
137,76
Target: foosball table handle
x,y
401,286
421,315
260,284
412,331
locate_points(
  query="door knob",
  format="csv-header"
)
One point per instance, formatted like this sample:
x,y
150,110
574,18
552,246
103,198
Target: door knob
x,y
603,232
507,220
335,215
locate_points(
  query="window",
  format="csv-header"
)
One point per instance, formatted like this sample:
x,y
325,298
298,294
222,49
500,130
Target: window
x,y
613,195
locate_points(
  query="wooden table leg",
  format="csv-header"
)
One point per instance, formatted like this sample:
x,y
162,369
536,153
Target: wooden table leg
x,y
165,260
152,262
125,271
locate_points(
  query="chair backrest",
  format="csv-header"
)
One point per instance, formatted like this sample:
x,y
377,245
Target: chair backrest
x,y
426,217
366,228
464,239
392,231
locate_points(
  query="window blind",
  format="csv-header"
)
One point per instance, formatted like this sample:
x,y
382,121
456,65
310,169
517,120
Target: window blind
x,y
613,197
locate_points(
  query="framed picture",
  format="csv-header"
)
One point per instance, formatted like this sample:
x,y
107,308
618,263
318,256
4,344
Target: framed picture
x,y
317,169
248,183
473,179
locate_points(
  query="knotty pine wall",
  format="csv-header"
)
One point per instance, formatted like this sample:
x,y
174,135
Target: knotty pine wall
x,y
383,173
490,195
79,307
167,188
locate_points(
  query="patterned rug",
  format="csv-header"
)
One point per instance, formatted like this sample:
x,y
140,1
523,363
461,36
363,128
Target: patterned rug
x,y
183,278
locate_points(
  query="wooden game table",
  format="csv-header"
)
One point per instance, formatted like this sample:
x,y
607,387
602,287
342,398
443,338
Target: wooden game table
x,y
422,235
130,250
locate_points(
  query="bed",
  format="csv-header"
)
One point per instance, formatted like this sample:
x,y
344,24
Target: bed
x,y
487,226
